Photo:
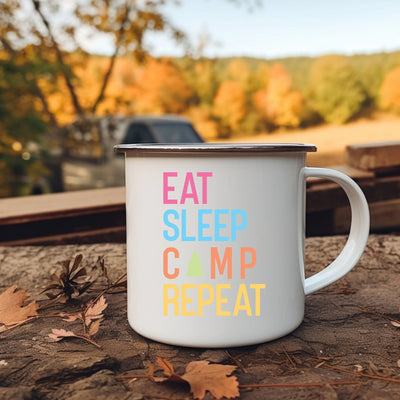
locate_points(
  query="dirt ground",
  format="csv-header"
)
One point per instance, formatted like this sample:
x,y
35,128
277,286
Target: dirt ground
x,y
347,352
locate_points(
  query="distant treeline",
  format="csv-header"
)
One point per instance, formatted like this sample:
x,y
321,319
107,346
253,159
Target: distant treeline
x,y
223,97
237,96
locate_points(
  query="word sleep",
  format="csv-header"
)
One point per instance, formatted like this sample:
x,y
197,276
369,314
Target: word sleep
x,y
183,302
209,225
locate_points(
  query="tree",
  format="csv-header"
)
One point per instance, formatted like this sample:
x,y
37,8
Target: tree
x,y
336,93
230,106
161,89
279,104
121,23
20,129
390,91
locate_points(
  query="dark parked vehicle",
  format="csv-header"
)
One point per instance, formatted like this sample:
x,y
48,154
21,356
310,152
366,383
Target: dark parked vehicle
x,y
90,161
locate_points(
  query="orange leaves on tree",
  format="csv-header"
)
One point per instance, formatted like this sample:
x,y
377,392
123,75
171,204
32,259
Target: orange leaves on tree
x,y
390,90
161,88
279,103
201,377
230,104
12,309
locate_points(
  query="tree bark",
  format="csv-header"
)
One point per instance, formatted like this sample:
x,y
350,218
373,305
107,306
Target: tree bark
x,y
71,89
107,76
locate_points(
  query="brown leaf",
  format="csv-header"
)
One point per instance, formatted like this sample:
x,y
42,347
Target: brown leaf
x,y
202,377
68,284
12,309
71,317
168,370
95,311
94,327
166,366
59,334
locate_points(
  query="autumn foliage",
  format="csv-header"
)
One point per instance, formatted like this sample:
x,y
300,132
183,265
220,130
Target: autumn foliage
x,y
390,91
223,99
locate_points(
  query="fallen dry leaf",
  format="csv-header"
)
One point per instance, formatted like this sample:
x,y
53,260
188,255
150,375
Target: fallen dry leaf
x,y
95,311
91,318
71,282
59,334
202,377
12,309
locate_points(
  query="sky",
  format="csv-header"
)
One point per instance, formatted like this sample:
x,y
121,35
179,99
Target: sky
x,y
280,28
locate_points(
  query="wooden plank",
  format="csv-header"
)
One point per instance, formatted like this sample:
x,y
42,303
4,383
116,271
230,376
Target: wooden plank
x,y
385,216
110,235
357,174
380,157
326,196
57,205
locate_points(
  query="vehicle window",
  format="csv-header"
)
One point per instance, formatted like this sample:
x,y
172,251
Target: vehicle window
x,y
176,133
138,133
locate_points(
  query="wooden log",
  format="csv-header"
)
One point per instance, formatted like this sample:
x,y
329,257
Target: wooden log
x,y
378,157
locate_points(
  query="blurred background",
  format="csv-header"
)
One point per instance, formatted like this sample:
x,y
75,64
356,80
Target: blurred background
x,y
77,76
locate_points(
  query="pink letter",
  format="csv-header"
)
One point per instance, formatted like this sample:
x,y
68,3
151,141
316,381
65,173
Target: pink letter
x,y
168,188
204,176
193,194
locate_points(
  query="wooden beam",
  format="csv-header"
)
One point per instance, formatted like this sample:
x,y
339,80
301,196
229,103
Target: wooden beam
x,y
378,157
18,210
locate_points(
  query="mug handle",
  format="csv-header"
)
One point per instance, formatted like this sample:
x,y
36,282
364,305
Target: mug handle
x,y
359,230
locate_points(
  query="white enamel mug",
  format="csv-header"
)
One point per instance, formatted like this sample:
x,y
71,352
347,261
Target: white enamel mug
x,y
215,241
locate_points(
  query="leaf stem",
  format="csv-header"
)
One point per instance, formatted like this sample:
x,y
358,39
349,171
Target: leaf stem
x,y
334,383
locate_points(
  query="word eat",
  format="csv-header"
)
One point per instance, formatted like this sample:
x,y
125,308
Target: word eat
x,y
189,191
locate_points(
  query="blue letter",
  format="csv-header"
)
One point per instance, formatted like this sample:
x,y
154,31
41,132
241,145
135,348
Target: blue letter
x,y
171,225
202,225
184,237
235,227
218,225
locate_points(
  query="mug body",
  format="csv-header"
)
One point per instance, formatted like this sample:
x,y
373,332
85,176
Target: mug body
x,y
215,243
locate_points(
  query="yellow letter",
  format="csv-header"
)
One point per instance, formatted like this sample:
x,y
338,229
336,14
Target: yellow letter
x,y
246,306
222,300
203,302
174,300
257,287
186,300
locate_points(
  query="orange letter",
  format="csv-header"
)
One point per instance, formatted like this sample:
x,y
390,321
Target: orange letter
x,y
243,265
165,263
221,266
